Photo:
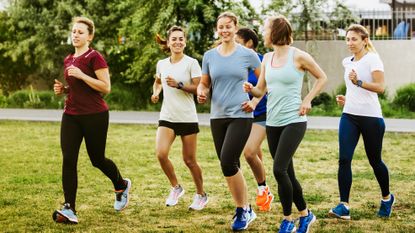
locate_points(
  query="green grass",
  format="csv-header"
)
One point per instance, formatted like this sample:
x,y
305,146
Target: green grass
x,y
30,184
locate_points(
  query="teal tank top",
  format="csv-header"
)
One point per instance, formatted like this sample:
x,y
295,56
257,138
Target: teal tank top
x,y
284,92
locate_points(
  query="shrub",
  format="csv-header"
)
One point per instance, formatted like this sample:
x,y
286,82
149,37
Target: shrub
x,y
18,98
405,97
3,101
323,98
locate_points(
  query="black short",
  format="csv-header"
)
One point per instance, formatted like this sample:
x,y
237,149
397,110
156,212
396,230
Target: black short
x,y
181,129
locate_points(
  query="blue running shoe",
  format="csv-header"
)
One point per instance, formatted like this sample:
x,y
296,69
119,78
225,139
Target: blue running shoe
x,y
287,226
242,218
305,222
385,209
340,211
65,215
122,197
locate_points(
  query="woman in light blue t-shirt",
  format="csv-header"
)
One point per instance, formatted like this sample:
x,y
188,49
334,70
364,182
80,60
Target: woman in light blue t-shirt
x,y
224,70
282,75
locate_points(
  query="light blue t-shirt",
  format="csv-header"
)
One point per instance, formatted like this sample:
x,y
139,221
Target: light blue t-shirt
x,y
284,92
227,74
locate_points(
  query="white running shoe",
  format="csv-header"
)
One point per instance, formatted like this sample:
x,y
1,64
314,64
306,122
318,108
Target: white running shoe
x,y
199,202
175,194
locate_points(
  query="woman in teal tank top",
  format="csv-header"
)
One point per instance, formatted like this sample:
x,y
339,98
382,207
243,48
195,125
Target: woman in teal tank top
x,y
282,74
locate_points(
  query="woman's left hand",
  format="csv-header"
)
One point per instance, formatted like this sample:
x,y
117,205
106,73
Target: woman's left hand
x,y
305,108
75,72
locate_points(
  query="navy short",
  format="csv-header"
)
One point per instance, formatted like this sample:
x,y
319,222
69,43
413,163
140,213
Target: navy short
x,y
180,128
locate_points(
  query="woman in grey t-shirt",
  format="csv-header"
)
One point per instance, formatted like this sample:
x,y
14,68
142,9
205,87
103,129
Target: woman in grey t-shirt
x,y
224,70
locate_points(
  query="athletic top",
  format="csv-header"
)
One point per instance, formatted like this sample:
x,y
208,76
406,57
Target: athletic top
x,y
360,101
178,105
284,92
83,99
261,107
227,74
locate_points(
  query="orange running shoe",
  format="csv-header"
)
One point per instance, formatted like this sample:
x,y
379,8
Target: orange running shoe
x,y
262,195
267,205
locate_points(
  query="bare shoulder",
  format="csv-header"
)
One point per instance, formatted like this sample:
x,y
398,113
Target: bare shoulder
x,y
267,56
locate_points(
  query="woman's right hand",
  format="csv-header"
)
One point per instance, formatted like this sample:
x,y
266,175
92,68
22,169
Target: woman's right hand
x,y
58,87
340,99
154,98
247,86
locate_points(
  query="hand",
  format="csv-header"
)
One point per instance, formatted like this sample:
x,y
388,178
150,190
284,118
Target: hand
x,y
154,98
353,77
305,108
58,87
171,82
341,100
75,72
247,106
247,87
201,96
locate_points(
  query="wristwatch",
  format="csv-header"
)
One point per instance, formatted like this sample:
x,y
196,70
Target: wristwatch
x,y
359,83
180,85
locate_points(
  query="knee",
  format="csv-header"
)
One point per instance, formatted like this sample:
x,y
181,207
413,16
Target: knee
x,y
229,169
98,163
345,162
162,156
190,162
250,155
279,173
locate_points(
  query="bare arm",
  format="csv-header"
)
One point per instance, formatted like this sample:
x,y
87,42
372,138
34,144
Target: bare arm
x,y
203,88
157,87
191,88
260,89
307,63
101,84
378,84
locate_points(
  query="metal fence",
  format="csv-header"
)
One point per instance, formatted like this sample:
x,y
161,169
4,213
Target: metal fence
x,y
382,25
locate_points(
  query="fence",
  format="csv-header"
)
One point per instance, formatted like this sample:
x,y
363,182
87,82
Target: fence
x,y
381,24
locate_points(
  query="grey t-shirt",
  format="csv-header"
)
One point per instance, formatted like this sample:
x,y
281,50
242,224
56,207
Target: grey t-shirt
x,y
227,74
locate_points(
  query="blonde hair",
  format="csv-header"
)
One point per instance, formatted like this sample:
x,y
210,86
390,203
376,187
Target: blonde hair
x,y
88,22
230,15
364,33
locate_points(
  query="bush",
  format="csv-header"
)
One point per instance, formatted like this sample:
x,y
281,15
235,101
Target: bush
x,y
323,98
405,97
3,101
122,99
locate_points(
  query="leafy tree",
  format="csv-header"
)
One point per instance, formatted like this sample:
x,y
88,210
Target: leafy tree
x,y
198,17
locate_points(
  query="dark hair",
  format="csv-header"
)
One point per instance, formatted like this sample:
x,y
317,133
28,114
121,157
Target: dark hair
x,y
248,34
163,42
89,23
230,15
281,31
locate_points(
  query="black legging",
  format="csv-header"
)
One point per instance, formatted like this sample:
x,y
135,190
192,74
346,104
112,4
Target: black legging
x,y
230,136
94,129
283,142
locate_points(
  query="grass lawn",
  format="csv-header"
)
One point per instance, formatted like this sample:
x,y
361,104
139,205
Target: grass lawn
x,y
30,184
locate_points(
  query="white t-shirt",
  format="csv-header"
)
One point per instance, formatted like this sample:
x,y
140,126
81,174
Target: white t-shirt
x,y
360,101
178,105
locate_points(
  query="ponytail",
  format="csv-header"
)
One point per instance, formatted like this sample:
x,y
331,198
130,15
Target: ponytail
x,y
163,42
364,33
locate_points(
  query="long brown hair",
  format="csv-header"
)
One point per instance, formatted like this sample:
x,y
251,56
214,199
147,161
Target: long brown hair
x,y
163,42
364,33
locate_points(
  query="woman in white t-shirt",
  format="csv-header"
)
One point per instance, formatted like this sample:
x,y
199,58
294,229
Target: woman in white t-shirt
x,y
178,76
362,115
